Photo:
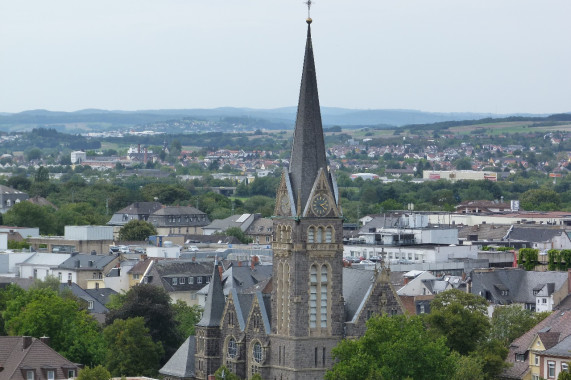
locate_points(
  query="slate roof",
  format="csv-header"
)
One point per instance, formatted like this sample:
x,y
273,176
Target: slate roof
x,y
48,259
241,278
231,221
98,306
563,348
260,226
163,271
535,234
308,147
356,285
519,282
215,302
10,190
37,356
181,364
178,210
485,232
557,322
87,262
137,210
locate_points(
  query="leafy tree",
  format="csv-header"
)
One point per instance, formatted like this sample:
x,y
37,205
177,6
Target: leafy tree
x,y
42,175
72,331
95,373
260,204
461,317
492,354
136,230
27,214
564,375
131,349
386,351
239,234
540,200
468,368
527,257
19,182
187,317
463,164
223,373
153,304
510,322
34,154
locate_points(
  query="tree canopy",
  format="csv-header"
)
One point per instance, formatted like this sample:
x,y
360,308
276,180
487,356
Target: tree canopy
x,y
136,230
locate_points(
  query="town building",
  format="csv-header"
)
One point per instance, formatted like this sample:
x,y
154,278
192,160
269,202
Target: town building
x,y
176,220
9,197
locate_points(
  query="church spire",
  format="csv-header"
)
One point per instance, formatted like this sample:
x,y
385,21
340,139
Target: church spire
x,y
215,300
308,149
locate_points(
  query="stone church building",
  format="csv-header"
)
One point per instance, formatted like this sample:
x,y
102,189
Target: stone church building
x,y
286,329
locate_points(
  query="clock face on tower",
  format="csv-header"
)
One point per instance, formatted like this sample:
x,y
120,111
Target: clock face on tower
x,y
320,205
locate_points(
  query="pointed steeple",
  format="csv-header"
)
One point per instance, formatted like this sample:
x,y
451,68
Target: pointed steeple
x,y
308,149
215,301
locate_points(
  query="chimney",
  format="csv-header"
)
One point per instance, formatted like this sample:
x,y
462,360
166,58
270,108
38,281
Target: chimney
x,y
69,283
145,159
93,252
26,342
45,340
220,271
569,280
139,148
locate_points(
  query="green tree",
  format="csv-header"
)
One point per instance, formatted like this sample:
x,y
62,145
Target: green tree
x,y
223,373
34,154
42,175
527,257
468,368
73,332
387,349
136,230
540,200
154,305
461,317
510,322
131,349
19,182
95,373
187,317
27,214
564,375
463,164
238,233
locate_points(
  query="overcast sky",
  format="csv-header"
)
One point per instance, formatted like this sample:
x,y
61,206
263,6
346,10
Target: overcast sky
x,y
499,56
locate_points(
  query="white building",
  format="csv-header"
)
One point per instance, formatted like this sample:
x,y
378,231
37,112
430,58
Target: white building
x,y
77,157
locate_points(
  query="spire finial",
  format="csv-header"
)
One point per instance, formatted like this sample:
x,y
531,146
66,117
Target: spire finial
x,y
308,3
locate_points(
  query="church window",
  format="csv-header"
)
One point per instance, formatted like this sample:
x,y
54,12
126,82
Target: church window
x,y
319,237
323,357
311,235
328,235
257,352
324,295
313,298
232,348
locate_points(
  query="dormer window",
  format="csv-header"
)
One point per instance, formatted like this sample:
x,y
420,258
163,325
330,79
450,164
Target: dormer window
x,y
520,357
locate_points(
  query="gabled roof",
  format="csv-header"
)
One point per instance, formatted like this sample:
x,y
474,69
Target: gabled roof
x,y
48,259
242,221
83,261
10,190
485,232
535,234
356,286
181,364
241,278
519,283
165,270
18,352
563,348
215,302
140,208
97,296
557,322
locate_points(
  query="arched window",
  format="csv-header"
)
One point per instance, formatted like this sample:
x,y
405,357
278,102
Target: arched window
x,y
313,297
232,348
319,237
311,235
257,352
329,235
324,294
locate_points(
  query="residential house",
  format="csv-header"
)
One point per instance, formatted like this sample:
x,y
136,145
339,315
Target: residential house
x,y
260,231
135,211
554,360
529,355
178,220
40,265
27,358
542,238
87,271
9,197
482,206
96,299
536,291
181,279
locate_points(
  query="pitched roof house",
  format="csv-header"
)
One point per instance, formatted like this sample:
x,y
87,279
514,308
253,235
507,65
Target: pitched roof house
x,y
27,358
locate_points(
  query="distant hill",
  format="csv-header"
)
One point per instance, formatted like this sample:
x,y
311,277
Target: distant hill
x,y
100,120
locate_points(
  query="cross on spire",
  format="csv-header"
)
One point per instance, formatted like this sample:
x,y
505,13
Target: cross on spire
x,y
308,3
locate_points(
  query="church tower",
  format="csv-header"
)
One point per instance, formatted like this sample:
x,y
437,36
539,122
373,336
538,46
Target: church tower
x,y
307,307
